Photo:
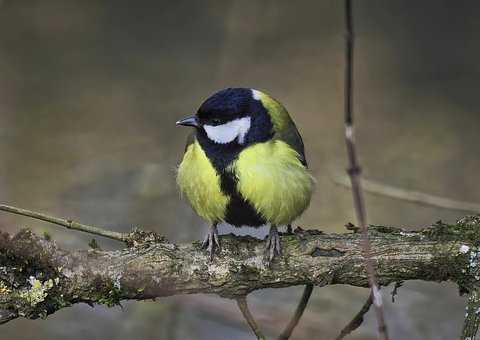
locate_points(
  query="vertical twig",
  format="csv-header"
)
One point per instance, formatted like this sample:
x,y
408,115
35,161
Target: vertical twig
x,y
354,173
243,306
472,317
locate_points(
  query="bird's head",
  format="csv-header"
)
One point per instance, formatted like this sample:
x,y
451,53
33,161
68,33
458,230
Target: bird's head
x,y
237,116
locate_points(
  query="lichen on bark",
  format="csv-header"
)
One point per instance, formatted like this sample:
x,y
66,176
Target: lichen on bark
x,y
38,278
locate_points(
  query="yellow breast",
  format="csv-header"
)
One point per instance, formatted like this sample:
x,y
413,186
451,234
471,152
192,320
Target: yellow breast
x,y
272,178
200,182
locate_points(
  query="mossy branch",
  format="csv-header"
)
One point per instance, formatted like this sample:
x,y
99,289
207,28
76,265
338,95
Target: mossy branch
x,y
38,278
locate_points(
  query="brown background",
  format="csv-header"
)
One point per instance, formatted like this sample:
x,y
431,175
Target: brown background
x,y
90,92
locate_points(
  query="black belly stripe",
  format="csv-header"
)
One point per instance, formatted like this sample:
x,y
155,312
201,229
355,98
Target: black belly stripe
x,y
240,212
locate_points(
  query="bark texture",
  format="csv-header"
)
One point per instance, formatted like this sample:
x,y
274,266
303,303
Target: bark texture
x,y
38,278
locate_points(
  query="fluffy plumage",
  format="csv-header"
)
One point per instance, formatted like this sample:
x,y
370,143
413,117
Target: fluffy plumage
x,y
200,182
271,176
259,176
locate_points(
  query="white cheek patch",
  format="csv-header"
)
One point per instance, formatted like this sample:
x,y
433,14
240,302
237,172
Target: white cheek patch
x,y
227,132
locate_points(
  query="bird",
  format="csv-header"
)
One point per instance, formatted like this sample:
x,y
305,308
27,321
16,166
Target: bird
x,y
244,164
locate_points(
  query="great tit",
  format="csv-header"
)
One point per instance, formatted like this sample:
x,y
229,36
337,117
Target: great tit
x,y
244,164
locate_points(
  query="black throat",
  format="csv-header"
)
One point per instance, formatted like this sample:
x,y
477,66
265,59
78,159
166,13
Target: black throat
x,y
222,155
239,211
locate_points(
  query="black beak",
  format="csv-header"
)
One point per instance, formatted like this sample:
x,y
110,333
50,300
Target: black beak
x,y
189,121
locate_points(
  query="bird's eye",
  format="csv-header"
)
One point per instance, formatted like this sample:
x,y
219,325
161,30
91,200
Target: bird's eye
x,y
216,121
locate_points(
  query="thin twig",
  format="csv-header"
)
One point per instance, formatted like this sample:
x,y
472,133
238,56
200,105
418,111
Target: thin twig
x,y
357,319
472,317
243,306
354,173
298,313
410,195
69,224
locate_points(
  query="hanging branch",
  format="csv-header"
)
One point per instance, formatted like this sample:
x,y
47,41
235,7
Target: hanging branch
x,y
472,314
307,292
357,320
247,315
354,172
472,317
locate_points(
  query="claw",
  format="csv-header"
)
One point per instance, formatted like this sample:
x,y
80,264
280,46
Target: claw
x,y
272,245
211,241
289,229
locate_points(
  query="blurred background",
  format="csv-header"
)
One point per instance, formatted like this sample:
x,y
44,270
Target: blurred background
x,y
90,92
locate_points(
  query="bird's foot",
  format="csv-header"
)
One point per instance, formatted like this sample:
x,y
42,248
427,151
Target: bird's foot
x,y
289,230
272,245
211,242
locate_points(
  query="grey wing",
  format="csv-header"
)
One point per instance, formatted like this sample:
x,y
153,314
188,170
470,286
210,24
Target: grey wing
x,y
291,136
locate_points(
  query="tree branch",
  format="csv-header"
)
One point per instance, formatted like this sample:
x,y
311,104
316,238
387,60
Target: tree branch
x,y
130,239
410,195
69,224
243,306
38,278
287,333
357,319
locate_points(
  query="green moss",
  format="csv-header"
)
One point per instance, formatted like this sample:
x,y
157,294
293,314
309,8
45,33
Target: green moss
x,y
93,244
112,298
46,236
105,291
37,292
382,229
4,290
467,228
